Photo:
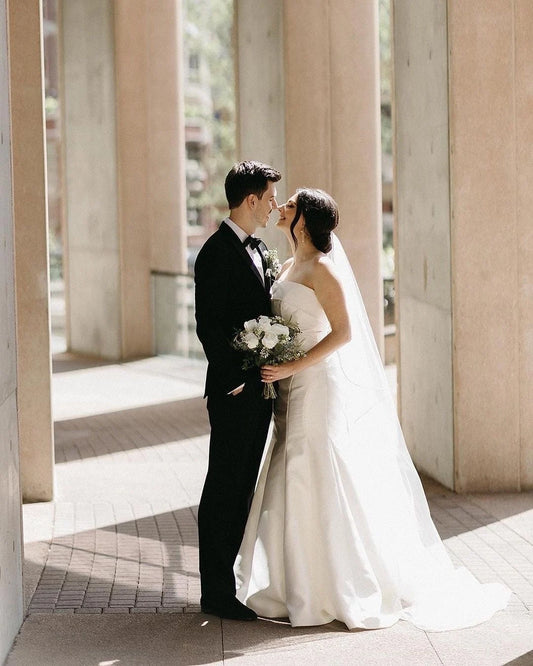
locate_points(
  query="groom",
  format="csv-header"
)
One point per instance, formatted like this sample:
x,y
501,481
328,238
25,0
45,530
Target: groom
x,y
231,287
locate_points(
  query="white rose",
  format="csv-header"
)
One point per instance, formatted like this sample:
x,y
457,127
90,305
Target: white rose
x,y
280,329
264,328
264,322
270,340
251,340
250,324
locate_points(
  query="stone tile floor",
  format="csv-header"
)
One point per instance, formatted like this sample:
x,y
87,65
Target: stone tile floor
x,y
131,452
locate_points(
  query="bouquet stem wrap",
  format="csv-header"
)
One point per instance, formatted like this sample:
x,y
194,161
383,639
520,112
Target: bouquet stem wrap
x,y
269,391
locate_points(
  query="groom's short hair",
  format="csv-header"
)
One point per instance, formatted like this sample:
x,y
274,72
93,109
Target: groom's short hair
x,y
247,178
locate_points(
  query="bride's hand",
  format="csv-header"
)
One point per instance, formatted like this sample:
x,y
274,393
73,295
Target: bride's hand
x,y
273,373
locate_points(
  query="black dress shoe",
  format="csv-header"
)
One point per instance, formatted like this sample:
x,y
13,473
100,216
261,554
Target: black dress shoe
x,y
230,610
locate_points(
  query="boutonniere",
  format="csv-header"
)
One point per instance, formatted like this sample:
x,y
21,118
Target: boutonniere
x,y
273,264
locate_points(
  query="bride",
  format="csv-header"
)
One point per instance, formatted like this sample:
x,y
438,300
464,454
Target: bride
x,y
339,527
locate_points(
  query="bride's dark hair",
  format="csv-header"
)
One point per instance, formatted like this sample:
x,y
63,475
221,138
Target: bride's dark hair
x,y
321,216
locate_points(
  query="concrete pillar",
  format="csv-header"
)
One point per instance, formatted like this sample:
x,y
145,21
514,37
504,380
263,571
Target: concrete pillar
x,y
463,79
166,136
423,280
258,29
332,125
31,250
125,171
151,157
523,89
308,103
11,591
93,280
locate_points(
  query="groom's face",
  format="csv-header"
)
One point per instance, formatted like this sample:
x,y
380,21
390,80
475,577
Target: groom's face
x,y
265,205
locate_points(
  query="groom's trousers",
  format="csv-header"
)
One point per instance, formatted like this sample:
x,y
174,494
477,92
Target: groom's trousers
x,y
239,427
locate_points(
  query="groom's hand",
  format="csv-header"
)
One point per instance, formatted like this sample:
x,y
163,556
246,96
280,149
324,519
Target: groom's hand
x,y
237,390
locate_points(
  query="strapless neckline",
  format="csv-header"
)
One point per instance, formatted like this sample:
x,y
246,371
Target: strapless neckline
x,y
282,282
293,282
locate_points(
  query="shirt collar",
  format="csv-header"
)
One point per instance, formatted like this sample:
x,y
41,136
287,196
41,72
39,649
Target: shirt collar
x,y
241,234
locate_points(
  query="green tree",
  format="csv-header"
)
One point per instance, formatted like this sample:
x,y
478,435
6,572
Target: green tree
x,y
209,34
386,73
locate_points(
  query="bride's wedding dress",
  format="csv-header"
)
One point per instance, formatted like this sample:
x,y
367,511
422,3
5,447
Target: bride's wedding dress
x,y
339,526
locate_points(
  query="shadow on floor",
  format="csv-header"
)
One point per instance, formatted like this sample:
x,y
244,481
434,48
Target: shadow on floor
x,y
524,660
145,563
67,362
102,434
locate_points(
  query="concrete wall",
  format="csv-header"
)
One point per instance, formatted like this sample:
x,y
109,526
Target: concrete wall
x,y
491,134
423,235
464,89
11,593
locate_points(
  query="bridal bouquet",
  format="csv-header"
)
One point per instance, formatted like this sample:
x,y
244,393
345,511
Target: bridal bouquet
x,y
268,341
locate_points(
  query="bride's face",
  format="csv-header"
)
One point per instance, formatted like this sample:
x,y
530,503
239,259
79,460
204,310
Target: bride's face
x,y
287,212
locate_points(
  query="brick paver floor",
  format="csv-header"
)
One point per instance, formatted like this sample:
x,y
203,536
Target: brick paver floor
x,y
131,452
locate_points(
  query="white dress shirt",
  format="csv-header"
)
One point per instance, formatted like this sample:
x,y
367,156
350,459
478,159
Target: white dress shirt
x,y
254,254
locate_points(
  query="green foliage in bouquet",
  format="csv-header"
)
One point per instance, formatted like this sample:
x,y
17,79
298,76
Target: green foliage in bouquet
x,y
268,341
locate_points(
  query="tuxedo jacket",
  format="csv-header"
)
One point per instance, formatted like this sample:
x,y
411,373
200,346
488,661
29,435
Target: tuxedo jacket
x,y
228,292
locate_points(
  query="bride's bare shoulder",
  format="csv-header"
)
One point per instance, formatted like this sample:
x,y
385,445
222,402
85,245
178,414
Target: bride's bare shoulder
x,y
325,277
324,268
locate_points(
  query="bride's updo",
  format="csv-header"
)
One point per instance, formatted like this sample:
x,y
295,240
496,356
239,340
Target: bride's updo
x,y
321,216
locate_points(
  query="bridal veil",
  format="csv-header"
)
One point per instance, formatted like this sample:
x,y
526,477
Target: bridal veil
x,y
433,594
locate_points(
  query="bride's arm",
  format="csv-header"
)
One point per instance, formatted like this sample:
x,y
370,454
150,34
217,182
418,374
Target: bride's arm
x,y
330,295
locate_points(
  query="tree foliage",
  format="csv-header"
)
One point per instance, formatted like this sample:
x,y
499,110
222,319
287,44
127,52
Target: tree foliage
x,y
209,34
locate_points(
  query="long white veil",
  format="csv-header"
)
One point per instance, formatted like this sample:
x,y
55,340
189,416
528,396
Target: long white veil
x,y
387,492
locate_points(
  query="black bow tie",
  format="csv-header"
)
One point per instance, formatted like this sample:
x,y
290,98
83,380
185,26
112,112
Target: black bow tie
x,y
254,243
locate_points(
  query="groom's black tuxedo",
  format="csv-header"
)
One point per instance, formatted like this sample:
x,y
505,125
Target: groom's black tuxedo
x,y
229,291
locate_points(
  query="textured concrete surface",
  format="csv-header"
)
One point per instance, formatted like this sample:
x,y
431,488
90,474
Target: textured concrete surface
x,y
464,238
111,566
10,501
135,640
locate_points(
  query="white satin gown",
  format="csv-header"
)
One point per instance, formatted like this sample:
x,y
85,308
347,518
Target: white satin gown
x,y
339,528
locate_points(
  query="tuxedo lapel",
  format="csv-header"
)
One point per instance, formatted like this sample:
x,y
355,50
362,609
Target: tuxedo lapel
x,y
241,250
268,279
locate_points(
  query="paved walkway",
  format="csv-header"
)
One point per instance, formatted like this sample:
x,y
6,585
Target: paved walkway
x,y
111,569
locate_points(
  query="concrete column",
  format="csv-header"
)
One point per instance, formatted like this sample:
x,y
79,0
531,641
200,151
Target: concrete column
x,y
151,157
11,591
423,280
463,94
125,164
258,29
166,136
308,102
523,21
332,122
133,152
93,281
31,250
